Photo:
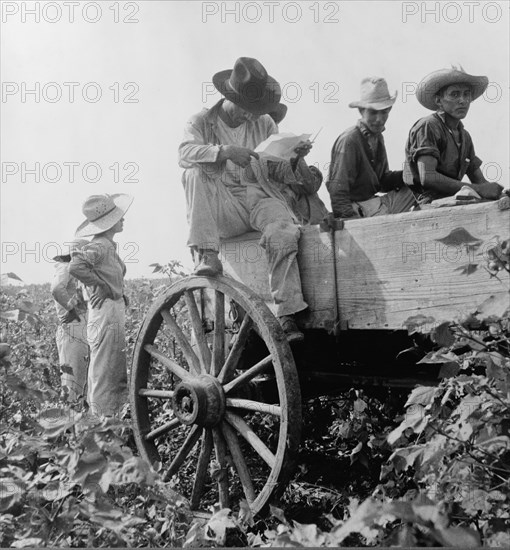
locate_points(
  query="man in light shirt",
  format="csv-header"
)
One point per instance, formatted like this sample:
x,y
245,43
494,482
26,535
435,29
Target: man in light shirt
x,y
224,200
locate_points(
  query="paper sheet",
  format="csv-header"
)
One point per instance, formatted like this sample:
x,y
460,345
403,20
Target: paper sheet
x,y
280,146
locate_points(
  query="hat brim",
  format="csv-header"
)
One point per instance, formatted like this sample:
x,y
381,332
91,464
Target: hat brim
x,y
122,203
432,83
279,113
377,106
263,105
63,258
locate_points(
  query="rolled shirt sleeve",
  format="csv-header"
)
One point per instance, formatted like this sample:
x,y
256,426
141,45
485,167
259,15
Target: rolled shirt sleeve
x,y
430,136
425,139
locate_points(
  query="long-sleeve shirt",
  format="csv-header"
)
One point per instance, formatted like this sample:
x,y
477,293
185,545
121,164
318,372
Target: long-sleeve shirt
x,y
355,171
431,136
204,133
98,263
65,291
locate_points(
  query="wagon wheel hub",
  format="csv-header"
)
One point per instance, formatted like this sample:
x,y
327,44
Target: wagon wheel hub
x,y
199,401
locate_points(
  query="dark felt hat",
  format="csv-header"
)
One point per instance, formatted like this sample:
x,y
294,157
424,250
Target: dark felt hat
x,y
279,113
249,86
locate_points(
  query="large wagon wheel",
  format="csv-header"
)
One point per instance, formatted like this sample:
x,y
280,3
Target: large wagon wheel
x,y
193,408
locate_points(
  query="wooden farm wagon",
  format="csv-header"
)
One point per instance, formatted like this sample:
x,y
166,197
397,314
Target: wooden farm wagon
x,y
217,391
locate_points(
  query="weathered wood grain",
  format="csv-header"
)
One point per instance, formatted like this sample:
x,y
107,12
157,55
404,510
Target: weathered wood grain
x,y
389,268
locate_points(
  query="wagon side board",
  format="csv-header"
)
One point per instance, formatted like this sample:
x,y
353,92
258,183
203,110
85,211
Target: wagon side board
x,y
391,272
422,267
245,260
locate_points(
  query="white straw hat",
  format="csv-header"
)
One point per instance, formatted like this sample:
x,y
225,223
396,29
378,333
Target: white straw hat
x,y
102,213
433,82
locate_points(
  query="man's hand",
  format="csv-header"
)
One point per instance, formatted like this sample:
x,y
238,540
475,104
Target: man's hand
x,y
303,148
241,156
100,294
70,316
489,190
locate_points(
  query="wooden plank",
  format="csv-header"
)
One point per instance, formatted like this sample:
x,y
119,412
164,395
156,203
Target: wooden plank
x,y
245,260
388,268
428,263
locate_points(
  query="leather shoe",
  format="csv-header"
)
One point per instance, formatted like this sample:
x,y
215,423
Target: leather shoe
x,y
209,264
290,328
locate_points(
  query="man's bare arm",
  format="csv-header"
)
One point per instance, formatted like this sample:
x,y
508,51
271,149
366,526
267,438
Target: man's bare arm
x,y
432,180
477,177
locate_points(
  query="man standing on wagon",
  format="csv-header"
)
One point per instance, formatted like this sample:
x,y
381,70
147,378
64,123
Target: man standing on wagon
x,y
439,151
218,146
359,163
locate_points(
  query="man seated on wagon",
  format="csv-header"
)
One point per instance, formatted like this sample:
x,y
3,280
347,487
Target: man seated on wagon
x,y
222,202
301,182
439,151
359,163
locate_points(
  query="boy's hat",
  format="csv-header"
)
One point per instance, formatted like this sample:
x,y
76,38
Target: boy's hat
x,y
433,82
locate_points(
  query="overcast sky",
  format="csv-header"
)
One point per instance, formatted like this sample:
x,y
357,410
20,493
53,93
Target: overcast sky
x,y
95,97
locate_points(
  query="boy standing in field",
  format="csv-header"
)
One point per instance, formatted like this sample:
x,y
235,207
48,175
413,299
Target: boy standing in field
x,y
71,337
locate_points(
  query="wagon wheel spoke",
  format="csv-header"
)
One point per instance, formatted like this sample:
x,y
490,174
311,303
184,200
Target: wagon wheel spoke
x,y
256,406
195,411
182,341
219,333
240,463
248,375
220,450
196,323
165,428
187,446
251,437
181,373
203,463
236,351
161,394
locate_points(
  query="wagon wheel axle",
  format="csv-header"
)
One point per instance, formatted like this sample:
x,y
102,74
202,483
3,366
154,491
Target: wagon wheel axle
x,y
199,401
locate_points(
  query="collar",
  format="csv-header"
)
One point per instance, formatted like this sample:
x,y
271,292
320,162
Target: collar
x,y
365,131
442,117
211,116
104,241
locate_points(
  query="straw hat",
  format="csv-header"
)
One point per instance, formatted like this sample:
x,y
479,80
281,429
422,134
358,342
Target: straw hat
x,y
249,86
433,82
73,247
102,213
374,95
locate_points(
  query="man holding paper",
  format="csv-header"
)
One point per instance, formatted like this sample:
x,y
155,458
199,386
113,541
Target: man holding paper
x,y
225,200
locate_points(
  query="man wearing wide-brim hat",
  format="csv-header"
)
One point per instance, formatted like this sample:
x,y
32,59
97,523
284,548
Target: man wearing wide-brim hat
x,y
71,335
98,266
359,169
439,150
218,146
